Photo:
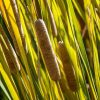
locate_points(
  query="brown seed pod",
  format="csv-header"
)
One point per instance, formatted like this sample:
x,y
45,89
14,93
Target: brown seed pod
x,y
8,57
53,24
68,69
47,50
9,53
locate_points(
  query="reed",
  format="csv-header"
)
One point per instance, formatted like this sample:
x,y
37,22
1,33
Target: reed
x,y
18,22
38,9
11,31
52,21
8,57
10,53
67,66
67,70
47,50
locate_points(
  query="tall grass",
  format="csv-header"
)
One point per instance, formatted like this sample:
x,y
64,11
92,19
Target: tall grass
x,y
49,49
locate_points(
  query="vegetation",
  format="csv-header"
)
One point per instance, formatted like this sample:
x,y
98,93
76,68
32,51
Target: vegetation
x,y
49,49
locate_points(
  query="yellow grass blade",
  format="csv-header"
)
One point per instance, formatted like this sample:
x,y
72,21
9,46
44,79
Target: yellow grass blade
x,y
8,83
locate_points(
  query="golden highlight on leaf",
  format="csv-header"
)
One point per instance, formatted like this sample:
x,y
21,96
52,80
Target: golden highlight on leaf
x,y
9,84
18,22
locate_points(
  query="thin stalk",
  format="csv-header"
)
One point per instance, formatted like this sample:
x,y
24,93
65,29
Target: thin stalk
x,y
18,22
59,90
52,21
11,31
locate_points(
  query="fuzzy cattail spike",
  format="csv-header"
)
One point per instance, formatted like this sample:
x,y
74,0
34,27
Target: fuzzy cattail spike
x,y
47,50
9,53
68,69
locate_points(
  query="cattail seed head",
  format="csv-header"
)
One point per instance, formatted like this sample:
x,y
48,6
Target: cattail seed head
x,y
47,50
8,57
10,54
68,69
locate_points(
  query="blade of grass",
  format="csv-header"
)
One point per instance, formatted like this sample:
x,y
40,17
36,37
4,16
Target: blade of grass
x,y
8,83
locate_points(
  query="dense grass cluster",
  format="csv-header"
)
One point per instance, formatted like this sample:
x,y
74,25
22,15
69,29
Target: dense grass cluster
x,y
49,50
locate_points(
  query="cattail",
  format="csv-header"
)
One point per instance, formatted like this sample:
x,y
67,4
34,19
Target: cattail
x,y
52,21
10,54
12,66
47,50
18,22
68,68
7,56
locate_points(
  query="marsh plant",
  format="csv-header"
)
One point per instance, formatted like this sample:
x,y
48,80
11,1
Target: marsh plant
x,y
49,49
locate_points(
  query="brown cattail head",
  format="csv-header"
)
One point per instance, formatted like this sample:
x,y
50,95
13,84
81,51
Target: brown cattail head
x,y
8,57
47,50
10,54
68,69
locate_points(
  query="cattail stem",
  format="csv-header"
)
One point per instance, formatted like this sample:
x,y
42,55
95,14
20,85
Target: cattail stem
x,y
68,69
90,92
89,51
52,21
18,22
47,50
21,88
60,92
11,31
37,8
